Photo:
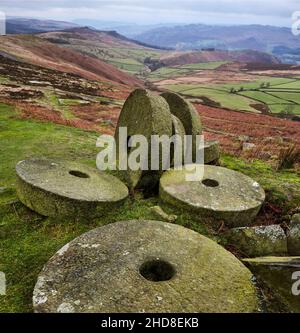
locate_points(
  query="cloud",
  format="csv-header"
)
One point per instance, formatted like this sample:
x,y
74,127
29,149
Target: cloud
x,y
275,12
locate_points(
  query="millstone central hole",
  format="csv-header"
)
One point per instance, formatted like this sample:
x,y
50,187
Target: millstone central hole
x,y
157,270
78,174
210,182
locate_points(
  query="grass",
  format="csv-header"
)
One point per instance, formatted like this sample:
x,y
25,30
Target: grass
x,y
28,240
226,100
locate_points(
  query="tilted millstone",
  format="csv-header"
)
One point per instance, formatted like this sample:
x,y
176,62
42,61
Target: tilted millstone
x,y
67,189
146,114
144,266
187,114
179,131
211,152
222,194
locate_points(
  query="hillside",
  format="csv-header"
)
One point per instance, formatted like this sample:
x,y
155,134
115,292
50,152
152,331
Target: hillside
x,y
197,36
38,51
27,26
248,56
109,46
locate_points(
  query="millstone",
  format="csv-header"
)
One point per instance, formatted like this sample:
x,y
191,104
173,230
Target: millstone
x,y
145,114
67,189
144,266
211,152
186,113
222,194
178,130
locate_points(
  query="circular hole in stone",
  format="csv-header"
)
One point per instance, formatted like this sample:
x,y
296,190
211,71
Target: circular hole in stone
x,y
157,270
210,182
78,174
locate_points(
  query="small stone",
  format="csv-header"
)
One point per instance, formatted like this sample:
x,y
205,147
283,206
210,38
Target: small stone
x,y
258,241
293,236
280,275
161,215
248,146
211,152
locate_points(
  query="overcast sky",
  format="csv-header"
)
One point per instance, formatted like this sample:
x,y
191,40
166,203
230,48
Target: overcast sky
x,y
273,12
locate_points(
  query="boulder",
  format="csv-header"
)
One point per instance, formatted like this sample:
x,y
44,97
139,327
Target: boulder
x,y
293,239
281,275
144,266
258,241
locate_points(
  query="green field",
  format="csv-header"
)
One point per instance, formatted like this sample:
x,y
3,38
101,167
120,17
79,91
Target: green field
x,y
174,71
281,95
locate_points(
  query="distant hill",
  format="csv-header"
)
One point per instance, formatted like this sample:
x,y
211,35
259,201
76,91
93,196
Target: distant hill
x,y
246,56
29,26
109,46
198,36
38,51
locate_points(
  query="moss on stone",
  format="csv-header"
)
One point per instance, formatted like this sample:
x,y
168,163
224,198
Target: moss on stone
x,y
222,194
101,271
62,189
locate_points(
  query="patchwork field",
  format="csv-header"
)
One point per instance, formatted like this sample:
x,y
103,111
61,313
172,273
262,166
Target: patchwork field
x,y
233,86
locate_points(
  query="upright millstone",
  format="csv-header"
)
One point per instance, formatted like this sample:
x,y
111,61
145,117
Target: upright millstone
x,y
144,266
145,114
222,194
62,189
187,114
178,131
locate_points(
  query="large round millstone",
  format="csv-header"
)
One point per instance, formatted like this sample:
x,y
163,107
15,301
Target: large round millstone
x,y
67,189
144,266
222,194
146,114
186,113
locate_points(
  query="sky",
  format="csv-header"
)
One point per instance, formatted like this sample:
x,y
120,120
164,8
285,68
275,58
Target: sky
x,y
147,12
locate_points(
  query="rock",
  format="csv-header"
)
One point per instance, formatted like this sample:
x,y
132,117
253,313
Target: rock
x,y
223,194
259,241
293,239
146,114
67,189
243,138
211,152
248,146
280,274
144,266
163,216
187,114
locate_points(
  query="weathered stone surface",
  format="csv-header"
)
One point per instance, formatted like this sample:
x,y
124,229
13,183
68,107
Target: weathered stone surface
x,y
278,274
187,114
144,266
222,194
179,131
211,152
67,189
293,239
258,241
146,114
